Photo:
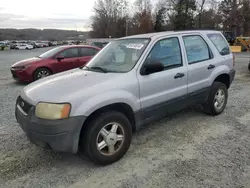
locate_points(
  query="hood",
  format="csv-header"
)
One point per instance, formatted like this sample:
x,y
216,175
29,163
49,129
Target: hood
x,y
66,86
26,61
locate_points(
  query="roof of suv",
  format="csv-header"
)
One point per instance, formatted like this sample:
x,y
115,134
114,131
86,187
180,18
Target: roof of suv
x,y
166,33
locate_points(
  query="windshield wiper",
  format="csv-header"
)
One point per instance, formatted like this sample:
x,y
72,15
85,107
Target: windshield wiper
x,y
92,68
81,67
100,68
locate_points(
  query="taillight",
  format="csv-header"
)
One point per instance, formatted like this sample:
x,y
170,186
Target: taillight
x,y
233,60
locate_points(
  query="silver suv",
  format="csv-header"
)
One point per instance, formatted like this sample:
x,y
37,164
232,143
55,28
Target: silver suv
x,y
130,82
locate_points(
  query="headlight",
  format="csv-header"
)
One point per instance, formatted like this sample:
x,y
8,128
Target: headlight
x,y
52,111
18,68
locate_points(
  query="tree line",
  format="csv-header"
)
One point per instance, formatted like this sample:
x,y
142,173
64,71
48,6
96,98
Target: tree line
x,y
118,18
38,34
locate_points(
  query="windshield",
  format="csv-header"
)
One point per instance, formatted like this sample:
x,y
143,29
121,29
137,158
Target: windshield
x,y
120,55
51,52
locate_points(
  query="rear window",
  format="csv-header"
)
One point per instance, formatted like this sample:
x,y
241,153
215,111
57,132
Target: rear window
x,y
220,43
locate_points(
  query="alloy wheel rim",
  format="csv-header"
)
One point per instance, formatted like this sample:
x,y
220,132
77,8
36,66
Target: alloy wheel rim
x,y
219,99
110,139
42,74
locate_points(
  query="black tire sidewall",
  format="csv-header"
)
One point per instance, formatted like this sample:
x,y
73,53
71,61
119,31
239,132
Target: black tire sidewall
x,y
215,87
93,131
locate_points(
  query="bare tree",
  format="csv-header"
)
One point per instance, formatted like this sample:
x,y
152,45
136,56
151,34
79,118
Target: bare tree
x,y
106,18
142,19
200,4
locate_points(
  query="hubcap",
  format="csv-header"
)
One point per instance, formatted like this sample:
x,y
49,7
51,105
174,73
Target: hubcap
x,y
219,99
110,138
43,74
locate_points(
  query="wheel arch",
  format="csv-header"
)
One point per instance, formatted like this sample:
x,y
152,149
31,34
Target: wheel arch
x,y
223,78
119,107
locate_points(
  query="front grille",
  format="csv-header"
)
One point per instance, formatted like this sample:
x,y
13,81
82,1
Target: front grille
x,y
24,105
13,73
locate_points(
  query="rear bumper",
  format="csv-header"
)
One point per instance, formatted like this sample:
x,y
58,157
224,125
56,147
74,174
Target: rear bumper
x,y
232,75
60,135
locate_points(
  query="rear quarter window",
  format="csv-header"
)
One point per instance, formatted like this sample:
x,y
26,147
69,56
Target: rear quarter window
x,y
220,43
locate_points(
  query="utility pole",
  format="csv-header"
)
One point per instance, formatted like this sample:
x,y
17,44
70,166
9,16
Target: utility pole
x,y
126,20
127,27
234,17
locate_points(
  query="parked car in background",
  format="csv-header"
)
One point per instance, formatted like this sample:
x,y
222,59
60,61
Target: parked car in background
x,y
132,81
38,45
54,43
13,45
45,44
56,60
99,44
2,45
24,47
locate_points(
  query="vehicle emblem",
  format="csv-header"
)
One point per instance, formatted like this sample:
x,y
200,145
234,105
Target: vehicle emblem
x,y
22,104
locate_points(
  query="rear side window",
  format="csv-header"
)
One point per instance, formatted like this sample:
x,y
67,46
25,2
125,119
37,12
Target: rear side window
x,y
87,52
220,43
70,53
197,49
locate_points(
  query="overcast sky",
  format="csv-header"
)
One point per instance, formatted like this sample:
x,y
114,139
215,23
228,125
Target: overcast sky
x,y
71,14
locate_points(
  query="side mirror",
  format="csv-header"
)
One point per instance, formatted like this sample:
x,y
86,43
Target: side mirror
x,y
152,67
59,57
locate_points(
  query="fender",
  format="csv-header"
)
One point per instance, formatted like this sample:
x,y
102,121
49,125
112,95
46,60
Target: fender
x,y
104,99
222,69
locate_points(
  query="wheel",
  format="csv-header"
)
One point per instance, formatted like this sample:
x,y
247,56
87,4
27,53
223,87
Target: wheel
x,y
41,73
26,48
249,66
107,138
217,99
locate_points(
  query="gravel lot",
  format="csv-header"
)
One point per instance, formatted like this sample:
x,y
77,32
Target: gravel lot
x,y
188,149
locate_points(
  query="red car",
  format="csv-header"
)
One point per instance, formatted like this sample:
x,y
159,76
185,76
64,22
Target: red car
x,y
53,61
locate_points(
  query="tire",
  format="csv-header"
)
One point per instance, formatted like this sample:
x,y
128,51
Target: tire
x,y
26,48
92,136
41,73
249,66
215,106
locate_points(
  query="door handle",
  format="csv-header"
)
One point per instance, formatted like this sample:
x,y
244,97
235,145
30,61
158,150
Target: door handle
x,y
179,75
210,66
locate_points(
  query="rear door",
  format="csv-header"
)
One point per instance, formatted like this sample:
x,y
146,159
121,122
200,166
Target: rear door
x,y
201,64
70,60
85,54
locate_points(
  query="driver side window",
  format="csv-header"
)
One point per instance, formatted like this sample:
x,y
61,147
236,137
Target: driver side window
x,y
69,53
167,52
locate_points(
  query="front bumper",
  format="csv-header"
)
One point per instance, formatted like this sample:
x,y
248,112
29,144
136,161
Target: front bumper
x,y
60,135
21,75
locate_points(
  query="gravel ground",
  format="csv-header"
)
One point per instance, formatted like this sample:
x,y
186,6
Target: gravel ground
x,y
188,149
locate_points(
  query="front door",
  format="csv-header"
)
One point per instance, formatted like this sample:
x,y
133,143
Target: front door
x,y
164,92
70,60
